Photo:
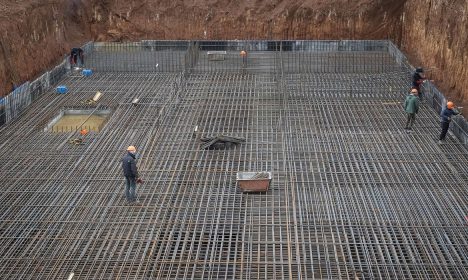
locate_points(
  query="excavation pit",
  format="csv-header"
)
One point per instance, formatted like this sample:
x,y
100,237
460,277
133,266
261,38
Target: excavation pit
x,y
76,119
354,196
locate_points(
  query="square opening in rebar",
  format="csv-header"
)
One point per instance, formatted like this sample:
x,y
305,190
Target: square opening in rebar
x,y
76,119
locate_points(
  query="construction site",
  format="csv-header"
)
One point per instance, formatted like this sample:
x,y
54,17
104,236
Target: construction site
x,y
352,194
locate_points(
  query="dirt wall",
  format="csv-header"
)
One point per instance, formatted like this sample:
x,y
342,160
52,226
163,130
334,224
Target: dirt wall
x,y
36,34
435,35
270,19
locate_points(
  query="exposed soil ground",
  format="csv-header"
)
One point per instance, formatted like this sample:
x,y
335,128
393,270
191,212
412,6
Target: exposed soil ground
x,y
36,34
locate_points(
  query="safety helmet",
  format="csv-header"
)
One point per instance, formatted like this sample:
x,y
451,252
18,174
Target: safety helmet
x,y
450,105
413,90
84,131
419,70
131,148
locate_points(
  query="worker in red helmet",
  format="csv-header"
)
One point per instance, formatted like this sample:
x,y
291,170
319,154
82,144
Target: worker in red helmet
x,y
446,118
131,175
411,108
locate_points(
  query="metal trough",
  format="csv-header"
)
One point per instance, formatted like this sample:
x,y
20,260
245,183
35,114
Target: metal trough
x,y
216,55
254,181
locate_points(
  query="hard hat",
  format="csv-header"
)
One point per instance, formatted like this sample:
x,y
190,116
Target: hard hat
x,y
84,131
450,105
414,90
419,70
131,148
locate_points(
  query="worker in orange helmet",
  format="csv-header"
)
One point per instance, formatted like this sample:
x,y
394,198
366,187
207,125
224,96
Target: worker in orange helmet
x,y
131,175
411,106
243,54
83,132
445,118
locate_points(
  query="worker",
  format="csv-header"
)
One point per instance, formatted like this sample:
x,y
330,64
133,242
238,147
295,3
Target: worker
x,y
411,108
243,54
84,132
131,175
76,57
445,119
418,79
2,113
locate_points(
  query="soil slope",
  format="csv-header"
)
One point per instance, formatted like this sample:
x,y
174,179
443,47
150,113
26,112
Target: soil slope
x,y
36,34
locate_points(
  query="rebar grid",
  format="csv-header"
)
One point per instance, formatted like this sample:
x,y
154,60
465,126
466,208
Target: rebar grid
x,y
353,195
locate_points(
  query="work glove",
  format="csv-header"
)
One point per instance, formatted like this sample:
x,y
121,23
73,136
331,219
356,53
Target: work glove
x,y
139,181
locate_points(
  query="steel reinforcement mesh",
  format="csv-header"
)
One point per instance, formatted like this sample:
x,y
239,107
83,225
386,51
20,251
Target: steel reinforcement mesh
x,y
353,195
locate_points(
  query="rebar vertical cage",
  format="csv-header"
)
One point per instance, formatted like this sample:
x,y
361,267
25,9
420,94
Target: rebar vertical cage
x,y
354,195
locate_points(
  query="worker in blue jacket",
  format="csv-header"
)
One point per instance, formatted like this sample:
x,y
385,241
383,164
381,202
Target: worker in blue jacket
x,y
445,119
131,175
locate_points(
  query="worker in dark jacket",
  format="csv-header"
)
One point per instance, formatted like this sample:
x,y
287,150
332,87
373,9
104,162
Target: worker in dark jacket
x,y
76,57
445,119
131,174
411,108
418,78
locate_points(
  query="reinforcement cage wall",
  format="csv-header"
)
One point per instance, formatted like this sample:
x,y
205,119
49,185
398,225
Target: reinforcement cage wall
x,y
277,57
12,105
433,96
262,56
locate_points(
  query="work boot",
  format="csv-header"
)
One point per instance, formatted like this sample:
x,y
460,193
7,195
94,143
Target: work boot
x,y
440,142
137,203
